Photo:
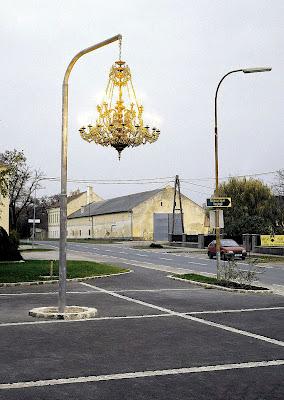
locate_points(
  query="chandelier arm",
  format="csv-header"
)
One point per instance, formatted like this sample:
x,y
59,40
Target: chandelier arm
x,y
111,94
137,105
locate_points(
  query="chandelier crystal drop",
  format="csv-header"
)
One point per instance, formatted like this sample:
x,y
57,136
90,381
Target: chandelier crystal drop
x,y
120,123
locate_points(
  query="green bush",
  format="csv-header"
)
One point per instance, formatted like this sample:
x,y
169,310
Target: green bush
x,y
15,238
8,247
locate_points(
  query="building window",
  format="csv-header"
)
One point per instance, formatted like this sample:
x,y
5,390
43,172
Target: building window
x,y
89,232
161,203
80,232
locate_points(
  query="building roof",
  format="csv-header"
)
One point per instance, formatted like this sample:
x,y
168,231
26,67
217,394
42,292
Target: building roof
x,y
72,196
115,205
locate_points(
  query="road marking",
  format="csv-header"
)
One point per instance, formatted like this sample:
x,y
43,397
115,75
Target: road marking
x,y
157,290
202,321
235,311
11,324
45,293
195,263
169,259
58,321
142,255
139,374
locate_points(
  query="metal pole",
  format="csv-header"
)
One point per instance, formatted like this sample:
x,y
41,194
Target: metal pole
x,y
63,196
218,239
34,214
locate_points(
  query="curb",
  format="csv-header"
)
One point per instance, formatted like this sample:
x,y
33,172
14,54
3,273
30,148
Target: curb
x,y
86,278
71,313
211,286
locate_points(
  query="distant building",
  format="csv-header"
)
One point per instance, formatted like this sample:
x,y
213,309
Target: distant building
x,y
4,206
144,216
74,202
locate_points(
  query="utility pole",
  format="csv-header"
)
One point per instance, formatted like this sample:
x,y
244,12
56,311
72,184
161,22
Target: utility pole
x,y
177,191
34,215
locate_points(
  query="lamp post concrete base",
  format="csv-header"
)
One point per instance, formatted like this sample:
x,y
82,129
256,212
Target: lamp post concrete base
x,y
71,312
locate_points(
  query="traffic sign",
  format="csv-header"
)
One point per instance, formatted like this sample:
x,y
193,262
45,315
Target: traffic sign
x,y
213,219
219,202
36,221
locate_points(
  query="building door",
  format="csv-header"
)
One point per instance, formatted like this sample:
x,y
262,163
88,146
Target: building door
x,y
163,226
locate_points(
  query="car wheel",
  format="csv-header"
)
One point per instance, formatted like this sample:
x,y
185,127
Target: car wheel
x,y
223,257
210,255
243,257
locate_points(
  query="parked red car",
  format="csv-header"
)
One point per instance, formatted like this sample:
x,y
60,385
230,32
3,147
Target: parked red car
x,y
229,249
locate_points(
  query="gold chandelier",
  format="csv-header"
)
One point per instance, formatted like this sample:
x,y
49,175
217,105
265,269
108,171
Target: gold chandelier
x,y
119,124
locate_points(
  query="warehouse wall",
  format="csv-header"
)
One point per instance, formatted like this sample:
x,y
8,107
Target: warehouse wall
x,y
143,227
113,225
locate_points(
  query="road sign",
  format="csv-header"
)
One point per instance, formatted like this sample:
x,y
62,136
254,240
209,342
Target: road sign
x,y
213,219
31,221
217,202
272,240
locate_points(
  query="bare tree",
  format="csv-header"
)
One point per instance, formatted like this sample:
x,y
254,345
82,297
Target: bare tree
x,y
279,185
22,182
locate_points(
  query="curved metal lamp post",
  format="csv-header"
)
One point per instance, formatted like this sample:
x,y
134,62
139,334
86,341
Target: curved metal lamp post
x,y
245,71
63,196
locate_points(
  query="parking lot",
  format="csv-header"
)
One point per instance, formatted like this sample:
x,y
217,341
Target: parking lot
x,y
153,338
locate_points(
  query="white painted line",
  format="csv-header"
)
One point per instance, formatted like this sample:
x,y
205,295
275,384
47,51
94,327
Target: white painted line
x,y
195,263
235,311
58,321
36,322
46,293
157,290
202,321
122,252
107,250
142,255
139,374
96,292
169,259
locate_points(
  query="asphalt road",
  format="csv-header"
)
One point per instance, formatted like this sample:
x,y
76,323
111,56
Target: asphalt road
x,y
153,339
270,274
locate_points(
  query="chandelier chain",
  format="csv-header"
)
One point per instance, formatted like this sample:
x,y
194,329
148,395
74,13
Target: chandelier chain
x,y
119,44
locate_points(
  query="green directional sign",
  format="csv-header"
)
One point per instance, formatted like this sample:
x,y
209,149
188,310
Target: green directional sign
x,y
219,202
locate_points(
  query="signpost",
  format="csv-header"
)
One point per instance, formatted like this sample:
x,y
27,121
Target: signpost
x,y
36,221
219,202
33,221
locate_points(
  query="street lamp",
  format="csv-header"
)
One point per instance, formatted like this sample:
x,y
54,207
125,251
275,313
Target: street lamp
x,y
63,196
245,71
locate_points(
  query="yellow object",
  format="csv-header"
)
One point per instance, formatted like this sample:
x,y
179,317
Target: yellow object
x,y
4,207
119,124
272,240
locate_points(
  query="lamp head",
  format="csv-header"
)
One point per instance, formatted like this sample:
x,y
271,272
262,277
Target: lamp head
x,y
257,69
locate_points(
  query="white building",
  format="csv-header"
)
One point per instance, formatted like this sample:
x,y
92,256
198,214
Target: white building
x,y
75,201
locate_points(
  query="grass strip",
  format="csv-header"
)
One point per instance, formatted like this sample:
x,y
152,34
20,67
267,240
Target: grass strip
x,y
31,270
214,281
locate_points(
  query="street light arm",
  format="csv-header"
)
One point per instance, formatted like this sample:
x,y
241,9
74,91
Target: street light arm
x,y
217,90
85,51
63,196
245,71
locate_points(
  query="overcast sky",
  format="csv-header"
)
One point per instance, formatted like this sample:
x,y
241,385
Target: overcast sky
x,y
177,51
